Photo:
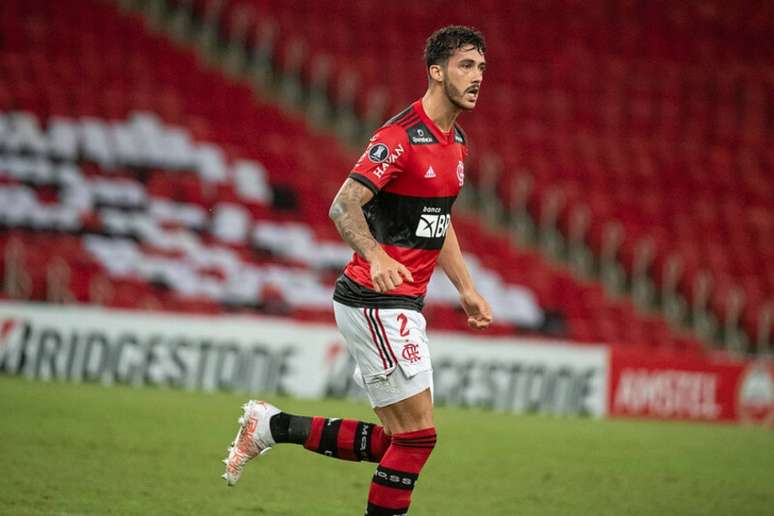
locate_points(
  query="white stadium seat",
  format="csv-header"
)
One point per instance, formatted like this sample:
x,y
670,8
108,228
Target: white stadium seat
x,y
177,255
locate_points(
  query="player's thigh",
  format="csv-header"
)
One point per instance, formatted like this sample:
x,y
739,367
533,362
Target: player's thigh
x,y
408,415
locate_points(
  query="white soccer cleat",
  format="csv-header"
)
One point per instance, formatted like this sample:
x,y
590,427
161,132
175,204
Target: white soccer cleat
x,y
253,439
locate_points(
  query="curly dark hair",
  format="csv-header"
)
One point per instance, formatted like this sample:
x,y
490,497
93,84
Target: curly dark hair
x,y
442,43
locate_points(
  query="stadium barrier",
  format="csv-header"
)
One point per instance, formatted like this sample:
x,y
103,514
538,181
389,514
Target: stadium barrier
x,y
257,354
279,356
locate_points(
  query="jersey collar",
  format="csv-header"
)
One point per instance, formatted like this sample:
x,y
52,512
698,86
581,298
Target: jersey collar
x,y
445,138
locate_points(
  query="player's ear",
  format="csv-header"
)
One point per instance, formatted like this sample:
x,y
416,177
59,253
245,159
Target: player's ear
x,y
435,72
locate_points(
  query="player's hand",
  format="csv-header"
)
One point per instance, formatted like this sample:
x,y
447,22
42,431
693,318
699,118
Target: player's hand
x,y
477,309
387,273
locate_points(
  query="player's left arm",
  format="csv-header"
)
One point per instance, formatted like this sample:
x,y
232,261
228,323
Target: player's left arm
x,y
451,261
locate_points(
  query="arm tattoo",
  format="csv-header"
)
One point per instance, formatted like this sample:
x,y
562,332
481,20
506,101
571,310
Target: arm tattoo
x,y
347,213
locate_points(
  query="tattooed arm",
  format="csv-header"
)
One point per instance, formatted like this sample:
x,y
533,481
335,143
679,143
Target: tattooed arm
x,y
347,213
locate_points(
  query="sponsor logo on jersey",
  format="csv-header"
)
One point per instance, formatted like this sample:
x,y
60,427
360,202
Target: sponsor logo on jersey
x,y
430,173
378,153
389,160
460,172
420,134
433,226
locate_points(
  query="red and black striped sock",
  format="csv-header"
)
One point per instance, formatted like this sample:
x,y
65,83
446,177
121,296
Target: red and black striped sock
x,y
398,471
345,439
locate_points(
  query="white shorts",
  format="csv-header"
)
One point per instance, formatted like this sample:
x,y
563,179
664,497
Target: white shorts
x,y
390,349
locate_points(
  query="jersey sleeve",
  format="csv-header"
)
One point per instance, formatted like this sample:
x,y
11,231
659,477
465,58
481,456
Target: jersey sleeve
x,y
383,160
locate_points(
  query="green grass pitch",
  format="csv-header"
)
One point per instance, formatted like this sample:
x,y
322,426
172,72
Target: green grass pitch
x,y
68,449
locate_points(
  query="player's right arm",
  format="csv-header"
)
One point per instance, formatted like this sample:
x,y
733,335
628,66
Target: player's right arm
x,y
346,212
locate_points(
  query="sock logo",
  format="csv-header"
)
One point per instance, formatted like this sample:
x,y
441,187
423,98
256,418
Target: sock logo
x,y
364,440
395,479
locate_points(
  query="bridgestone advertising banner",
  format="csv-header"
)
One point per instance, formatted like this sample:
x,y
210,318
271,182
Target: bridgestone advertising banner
x,y
249,354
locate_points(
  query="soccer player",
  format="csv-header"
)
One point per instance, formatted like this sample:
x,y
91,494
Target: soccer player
x,y
394,210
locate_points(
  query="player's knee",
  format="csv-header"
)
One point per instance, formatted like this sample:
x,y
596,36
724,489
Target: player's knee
x,y
409,415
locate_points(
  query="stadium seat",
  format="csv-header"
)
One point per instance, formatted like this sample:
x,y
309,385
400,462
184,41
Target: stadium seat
x,y
189,193
663,129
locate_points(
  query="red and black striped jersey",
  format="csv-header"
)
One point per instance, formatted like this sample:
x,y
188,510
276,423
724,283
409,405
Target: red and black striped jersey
x,y
416,172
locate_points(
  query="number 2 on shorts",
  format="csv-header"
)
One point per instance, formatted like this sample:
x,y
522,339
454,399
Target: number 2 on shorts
x,y
403,322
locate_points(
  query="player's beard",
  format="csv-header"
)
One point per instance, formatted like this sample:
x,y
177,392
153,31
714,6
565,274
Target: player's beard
x,y
454,95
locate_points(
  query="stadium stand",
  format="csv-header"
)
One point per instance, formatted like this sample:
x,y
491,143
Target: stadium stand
x,y
154,205
239,184
196,246
654,116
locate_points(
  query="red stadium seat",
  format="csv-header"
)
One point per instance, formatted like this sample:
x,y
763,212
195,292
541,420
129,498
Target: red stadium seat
x,y
659,129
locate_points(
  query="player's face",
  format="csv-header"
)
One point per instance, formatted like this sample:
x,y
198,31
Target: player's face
x,y
463,77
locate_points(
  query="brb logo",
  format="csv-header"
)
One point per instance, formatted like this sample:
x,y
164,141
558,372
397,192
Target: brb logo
x,y
432,223
411,353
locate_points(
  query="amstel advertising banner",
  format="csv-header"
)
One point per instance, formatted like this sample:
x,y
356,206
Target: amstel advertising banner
x,y
251,354
694,388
